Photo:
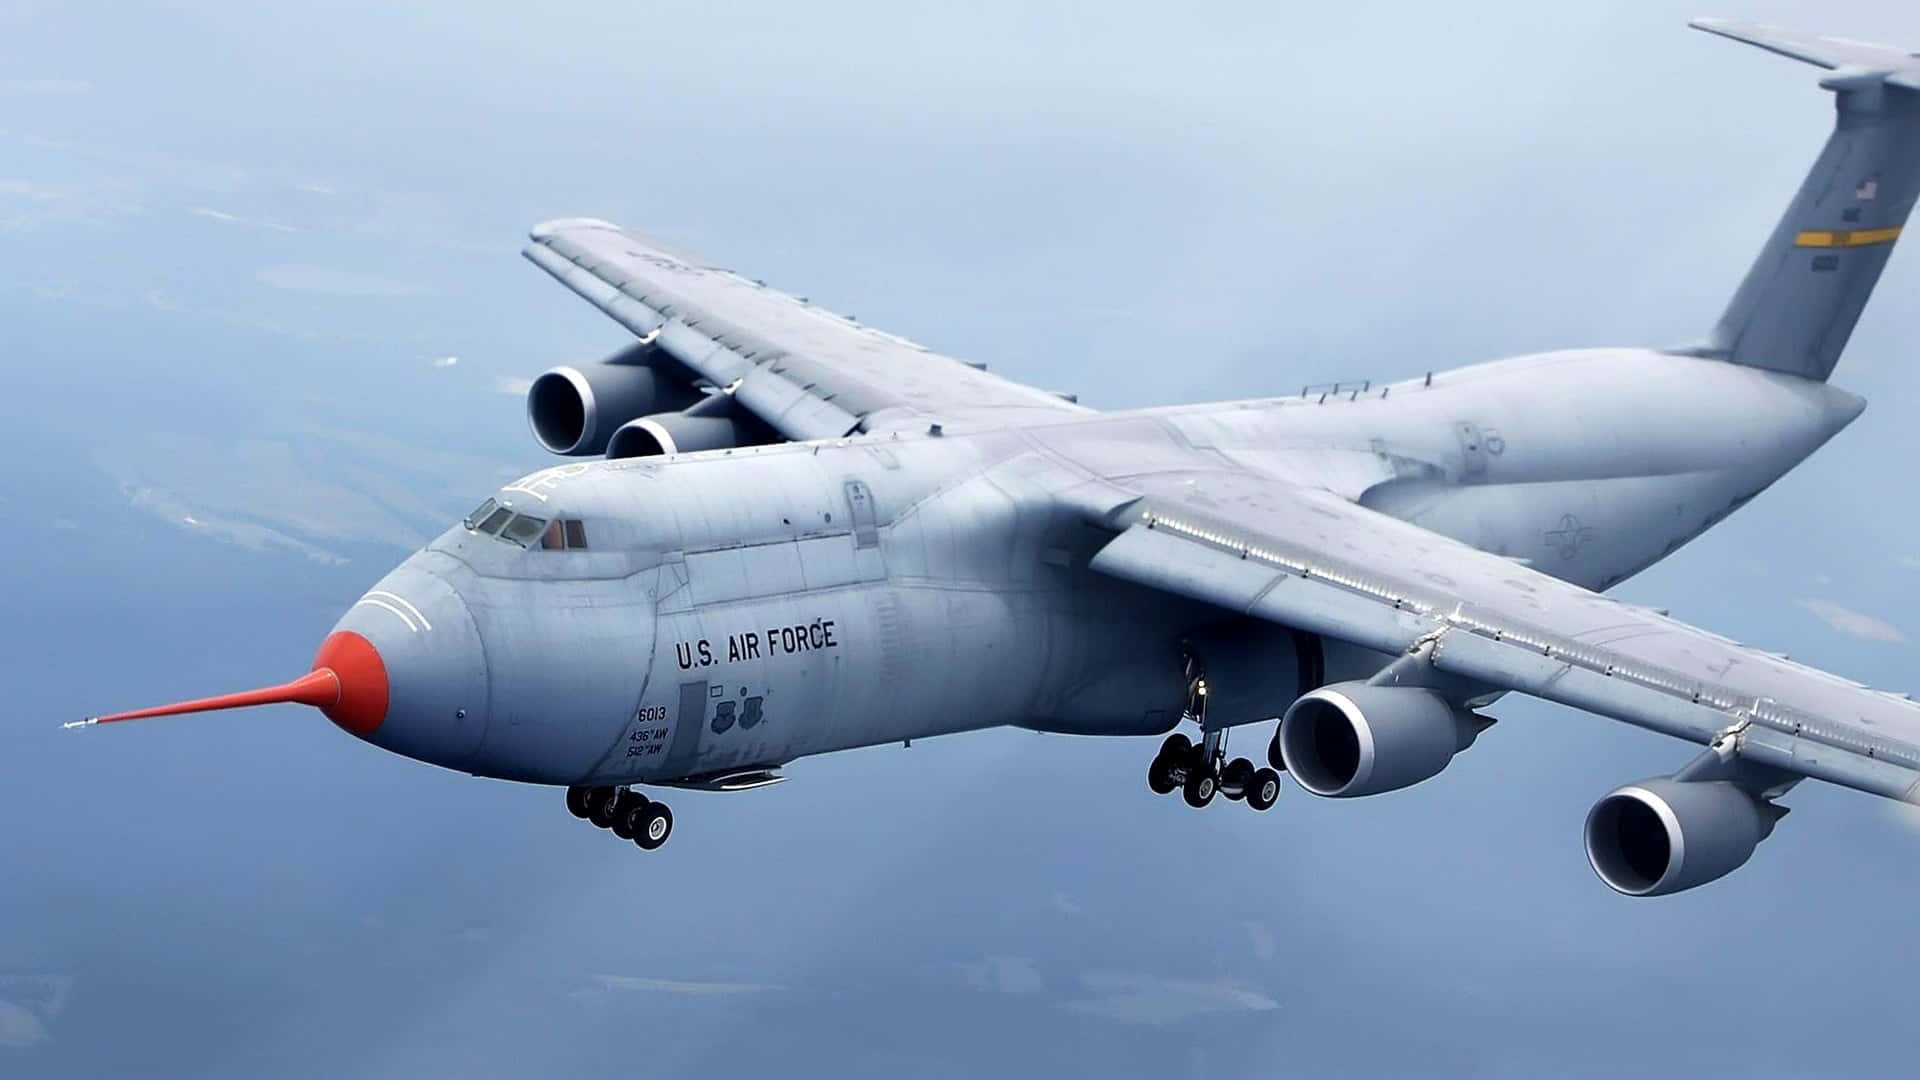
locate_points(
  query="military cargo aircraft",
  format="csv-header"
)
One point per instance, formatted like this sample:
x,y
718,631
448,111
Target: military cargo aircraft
x,y
805,534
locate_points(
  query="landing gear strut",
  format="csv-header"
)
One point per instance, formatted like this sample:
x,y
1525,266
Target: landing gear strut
x,y
1201,772
629,814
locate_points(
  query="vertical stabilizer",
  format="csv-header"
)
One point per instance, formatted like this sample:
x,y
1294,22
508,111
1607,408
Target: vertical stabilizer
x,y
1800,300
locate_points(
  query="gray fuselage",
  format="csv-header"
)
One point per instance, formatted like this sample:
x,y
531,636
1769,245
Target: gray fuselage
x,y
743,608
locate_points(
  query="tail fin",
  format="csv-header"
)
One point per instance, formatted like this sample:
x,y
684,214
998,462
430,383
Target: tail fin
x,y
1800,300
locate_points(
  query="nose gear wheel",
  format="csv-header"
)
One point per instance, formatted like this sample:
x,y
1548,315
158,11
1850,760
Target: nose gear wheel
x,y
625,812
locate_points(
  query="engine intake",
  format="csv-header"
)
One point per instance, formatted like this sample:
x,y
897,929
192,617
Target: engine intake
x,y
675,433
576,411
1661,836
1353,738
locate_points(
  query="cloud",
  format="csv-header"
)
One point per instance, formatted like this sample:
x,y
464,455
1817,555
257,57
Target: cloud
x,y
443,361
306,489
1134,998
314,187
512,384
604,985
1848,621
319,279
1264,945
26,203
18,1027
1065,905
235,219
31,1003
247,534
44,87
1003,974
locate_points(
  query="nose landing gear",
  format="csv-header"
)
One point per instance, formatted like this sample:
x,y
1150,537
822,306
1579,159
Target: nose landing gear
x,y
629,814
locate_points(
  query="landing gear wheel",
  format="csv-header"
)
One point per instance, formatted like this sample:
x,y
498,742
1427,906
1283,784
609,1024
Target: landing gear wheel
x,y
1264,791
1200,787
653,824
1274,759
1237,778
600,804
1160,775
577,802
1177,748
626,811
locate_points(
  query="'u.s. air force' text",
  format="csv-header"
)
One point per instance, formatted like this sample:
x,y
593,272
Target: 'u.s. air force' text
x,y
755,644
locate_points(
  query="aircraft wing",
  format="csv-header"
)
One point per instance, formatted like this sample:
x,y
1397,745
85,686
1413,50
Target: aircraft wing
x,y
807,372
1311,560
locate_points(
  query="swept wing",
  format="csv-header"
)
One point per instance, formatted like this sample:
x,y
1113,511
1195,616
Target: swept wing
x,y
1311,560
806,371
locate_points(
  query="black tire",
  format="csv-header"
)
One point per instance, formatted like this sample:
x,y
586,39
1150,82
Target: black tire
x,y
600,804
1160,776
624,815
1236,778
655,823
1200,787
1273,754
1177,748
577,802
1265,789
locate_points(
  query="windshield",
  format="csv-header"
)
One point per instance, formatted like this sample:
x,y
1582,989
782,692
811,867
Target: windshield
x,y
523,529
473,520
567,534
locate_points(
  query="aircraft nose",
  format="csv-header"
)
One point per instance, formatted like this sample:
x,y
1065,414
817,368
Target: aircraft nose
x,y
412,668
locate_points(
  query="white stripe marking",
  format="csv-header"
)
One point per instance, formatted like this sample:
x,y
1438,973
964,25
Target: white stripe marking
x,y
397,613
405,603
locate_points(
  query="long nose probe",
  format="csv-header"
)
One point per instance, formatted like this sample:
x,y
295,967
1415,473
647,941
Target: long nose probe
x,y
348,683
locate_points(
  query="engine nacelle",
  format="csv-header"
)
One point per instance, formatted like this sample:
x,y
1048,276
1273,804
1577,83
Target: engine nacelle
x,y
576,411
1661,836
675,433
1353,739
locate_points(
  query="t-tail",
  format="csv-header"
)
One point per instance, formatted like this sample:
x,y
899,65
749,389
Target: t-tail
x,y
1799,302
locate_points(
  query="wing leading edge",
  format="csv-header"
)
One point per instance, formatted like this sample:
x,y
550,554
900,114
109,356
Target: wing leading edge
x,y
1314,562
806,371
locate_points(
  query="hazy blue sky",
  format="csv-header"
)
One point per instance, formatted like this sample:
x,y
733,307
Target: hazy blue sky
x,y
262,327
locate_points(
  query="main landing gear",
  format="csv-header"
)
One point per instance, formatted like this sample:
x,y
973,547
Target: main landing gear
x,y
1201,772
631,815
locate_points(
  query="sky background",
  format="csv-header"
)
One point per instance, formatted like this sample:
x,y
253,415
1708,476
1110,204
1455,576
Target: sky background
x,y
263,329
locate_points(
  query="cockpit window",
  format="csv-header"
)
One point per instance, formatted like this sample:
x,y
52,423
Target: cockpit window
x,y
495,520
473,520
564,535
523,529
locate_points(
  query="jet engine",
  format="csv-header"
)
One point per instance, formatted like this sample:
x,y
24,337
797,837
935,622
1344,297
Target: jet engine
x,y
1353,738
576,411
1661,836
676,433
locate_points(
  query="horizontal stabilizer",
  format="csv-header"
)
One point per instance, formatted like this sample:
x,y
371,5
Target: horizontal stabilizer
x,y
1863,58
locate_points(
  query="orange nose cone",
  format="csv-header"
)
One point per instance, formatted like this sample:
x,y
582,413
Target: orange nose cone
x,y
362,704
